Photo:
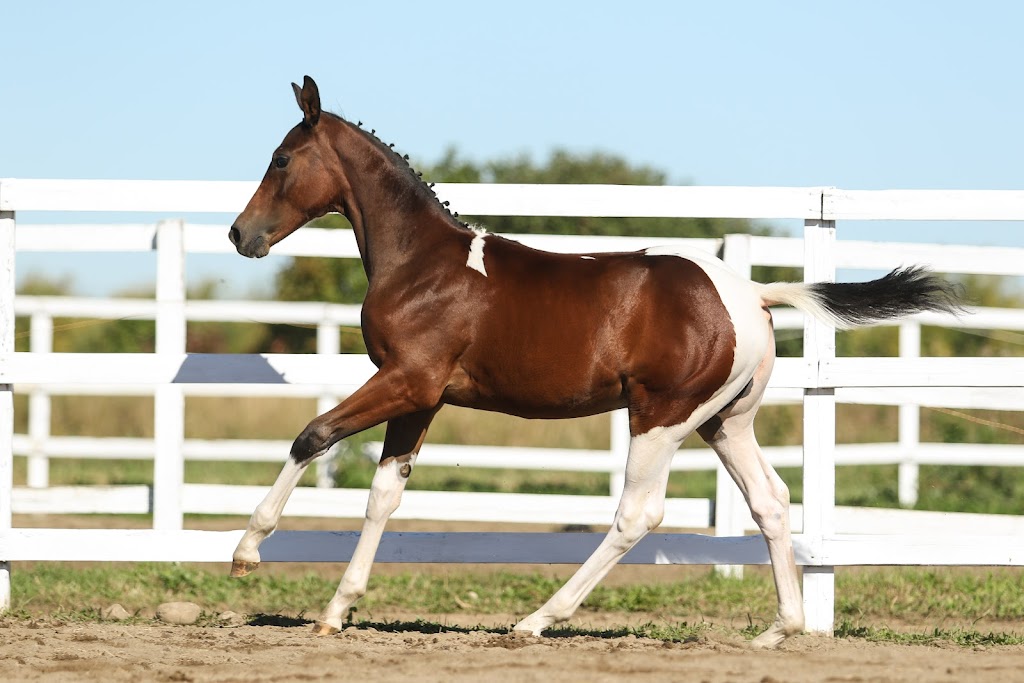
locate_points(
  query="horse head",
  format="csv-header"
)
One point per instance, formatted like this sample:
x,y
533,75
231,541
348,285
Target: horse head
x,y
301,183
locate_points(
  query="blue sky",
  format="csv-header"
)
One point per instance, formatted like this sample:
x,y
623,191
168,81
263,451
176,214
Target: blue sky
x,y
866,95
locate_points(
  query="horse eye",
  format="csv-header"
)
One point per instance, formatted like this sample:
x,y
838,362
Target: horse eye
x,y
280,161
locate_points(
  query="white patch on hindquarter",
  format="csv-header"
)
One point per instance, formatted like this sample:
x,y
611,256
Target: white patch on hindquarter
x,y
587,258
476,252
742,300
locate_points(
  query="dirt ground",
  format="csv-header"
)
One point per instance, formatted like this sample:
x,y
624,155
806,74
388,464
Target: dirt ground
x,y
107,652
48,650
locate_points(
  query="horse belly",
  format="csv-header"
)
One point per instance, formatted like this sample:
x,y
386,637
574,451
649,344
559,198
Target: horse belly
x,y
551,386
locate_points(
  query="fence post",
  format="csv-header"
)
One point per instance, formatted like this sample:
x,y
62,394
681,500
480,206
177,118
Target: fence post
x,y
909,423
730,509
6,395
620,451
41,341
819,436
328,342
168,400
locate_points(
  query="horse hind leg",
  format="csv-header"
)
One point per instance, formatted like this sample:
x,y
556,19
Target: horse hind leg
x,y
731,435
641,509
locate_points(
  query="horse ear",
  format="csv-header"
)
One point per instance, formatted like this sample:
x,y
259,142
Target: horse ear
x,y
308,97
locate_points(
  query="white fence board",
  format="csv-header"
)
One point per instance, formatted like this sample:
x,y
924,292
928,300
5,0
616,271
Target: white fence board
x,y
310,241
192,368
949,205
865,255
183,196
703,459
82,500
267,368
218,499
129,448
971,549
468,506
164,196
922,372
432,505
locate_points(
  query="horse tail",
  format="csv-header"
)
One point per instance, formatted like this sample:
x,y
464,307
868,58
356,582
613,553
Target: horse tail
x,y
902,292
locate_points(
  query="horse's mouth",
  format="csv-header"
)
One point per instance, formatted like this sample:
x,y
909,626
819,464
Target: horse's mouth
x,y
257,247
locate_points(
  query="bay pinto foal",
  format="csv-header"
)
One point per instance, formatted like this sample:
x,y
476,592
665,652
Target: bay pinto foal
x,y
455,315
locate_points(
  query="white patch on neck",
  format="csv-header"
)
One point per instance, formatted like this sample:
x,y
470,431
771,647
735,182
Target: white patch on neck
x,y
476,252
587,258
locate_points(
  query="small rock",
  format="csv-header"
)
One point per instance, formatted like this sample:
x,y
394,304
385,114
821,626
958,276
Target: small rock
x,y
181,613
230,618
114,612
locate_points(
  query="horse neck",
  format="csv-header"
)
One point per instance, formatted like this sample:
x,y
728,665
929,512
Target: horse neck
x,y
394,221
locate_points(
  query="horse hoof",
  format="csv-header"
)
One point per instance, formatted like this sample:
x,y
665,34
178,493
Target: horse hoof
x,y
241,568
321,628
523,634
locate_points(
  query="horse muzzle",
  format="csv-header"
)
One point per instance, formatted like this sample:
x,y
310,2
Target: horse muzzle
x,y
255,247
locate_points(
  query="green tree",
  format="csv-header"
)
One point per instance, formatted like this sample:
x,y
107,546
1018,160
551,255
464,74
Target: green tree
x,y
564,167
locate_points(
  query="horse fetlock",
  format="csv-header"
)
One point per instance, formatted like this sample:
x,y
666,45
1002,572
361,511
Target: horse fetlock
x,y
241,568
791,624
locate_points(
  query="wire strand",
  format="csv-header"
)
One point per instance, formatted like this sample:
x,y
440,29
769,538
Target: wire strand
x,y
977,420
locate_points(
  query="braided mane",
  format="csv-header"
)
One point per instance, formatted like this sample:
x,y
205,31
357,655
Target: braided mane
x,y
400,162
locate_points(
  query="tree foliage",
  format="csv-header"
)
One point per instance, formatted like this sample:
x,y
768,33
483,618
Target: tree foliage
x,y
564,167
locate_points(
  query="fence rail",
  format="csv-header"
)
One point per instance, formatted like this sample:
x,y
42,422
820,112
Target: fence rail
x,y
818,379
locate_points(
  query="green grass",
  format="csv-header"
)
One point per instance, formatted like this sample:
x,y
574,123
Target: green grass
x,y
937,604
957,636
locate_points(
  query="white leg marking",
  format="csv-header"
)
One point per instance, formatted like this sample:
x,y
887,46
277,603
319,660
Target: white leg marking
x,y
641,509
268,513
385,496
768,498
476,252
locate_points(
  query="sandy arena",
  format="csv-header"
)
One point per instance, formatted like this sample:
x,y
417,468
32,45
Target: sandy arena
x,y
44,651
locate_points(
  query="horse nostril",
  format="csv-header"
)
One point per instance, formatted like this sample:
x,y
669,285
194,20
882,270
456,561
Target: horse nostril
x,y
234,235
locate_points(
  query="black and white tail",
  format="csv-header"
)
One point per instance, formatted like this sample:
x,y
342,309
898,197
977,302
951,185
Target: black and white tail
x,y
902,292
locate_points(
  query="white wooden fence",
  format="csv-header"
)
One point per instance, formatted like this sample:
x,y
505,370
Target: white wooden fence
x,y
40,446
818,377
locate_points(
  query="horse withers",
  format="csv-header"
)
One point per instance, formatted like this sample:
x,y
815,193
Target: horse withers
x,y
456,315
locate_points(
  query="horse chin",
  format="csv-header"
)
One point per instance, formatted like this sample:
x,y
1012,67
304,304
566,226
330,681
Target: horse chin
x,y
255,248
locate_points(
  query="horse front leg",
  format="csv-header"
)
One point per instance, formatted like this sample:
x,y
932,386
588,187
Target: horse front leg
x,y
389,394
263,522
401,445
